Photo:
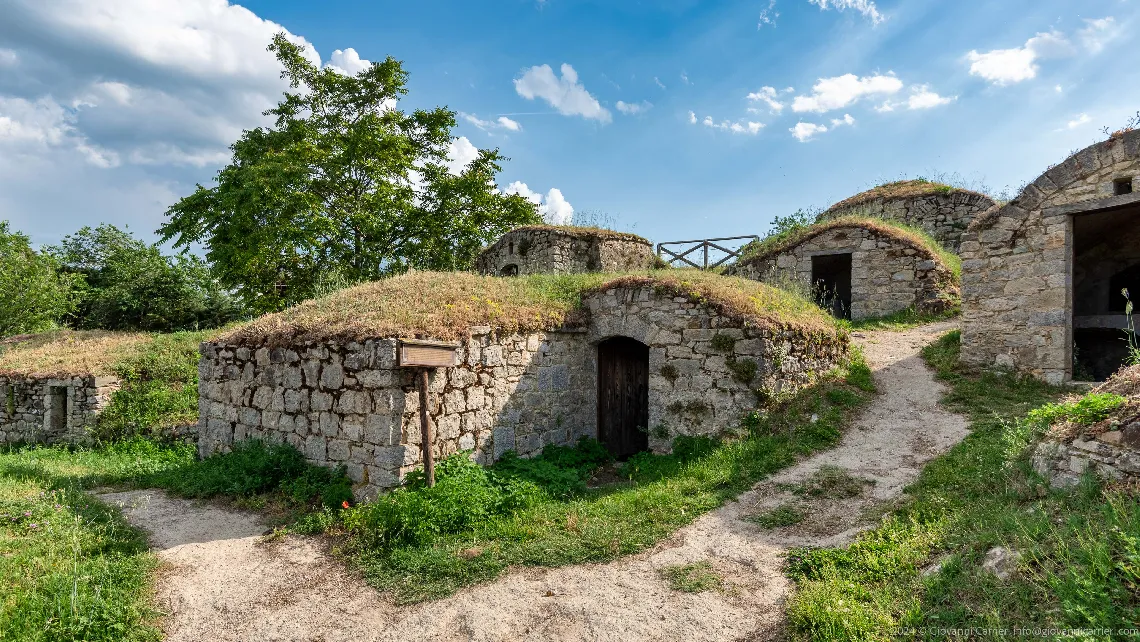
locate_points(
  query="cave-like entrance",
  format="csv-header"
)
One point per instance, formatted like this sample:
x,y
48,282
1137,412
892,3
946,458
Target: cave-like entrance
x,y
831,283
1106,260
623,396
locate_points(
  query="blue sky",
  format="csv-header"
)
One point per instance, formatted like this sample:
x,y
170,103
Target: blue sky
x,y
681,119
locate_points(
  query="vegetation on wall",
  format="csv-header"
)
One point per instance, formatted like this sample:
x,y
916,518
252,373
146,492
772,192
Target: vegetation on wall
x,y
343,187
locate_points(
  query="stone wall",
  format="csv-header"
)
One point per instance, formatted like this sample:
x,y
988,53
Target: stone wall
x,y
552,250
887,274
28,410
944,215
1111,455
351,404
1017,262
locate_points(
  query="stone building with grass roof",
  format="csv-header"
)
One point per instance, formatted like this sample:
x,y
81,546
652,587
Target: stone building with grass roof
x,y
1042,275
633,360
857,267
53,385
941,210
554,249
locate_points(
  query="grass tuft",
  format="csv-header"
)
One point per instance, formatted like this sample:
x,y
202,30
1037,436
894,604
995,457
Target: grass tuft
x,y
786,514
692,578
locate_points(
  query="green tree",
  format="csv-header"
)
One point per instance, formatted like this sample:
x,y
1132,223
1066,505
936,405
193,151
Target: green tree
x,y
33,295
342,188
130,285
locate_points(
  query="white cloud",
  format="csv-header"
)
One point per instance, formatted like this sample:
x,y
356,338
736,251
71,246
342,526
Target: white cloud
x,y
921,97
1080,119
8,58
564,94
841,91
554,207
768,16
634,108
502,122
684,77
839,122
865,7
804,132
1098,32
507,123
460,153
347,62
767,95
658,82
742,127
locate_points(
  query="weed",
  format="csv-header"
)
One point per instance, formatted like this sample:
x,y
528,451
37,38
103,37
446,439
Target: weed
x,y
723,342
669,371
831,482
743,370
692,578
786,514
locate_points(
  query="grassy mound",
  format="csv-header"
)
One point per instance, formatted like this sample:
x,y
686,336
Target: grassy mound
x,y
896,190
69,352
444,305
584,231
901,232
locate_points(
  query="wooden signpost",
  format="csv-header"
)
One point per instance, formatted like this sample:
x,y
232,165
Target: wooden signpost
x,y
426,355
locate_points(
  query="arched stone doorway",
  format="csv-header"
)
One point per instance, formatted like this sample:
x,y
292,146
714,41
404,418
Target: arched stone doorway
x,y
623,396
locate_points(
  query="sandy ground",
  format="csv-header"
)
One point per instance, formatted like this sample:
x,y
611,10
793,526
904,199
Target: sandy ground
x,y
224,582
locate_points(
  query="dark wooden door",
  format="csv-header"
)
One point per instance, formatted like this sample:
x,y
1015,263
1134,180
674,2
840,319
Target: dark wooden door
x,y
623,396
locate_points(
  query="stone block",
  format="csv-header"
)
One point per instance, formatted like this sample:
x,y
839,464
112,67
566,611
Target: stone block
x,y
332,376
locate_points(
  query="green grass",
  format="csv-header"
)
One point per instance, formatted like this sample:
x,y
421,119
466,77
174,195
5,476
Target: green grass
x,y
786,514
831,482
1081,548
475,526
902,320
692,578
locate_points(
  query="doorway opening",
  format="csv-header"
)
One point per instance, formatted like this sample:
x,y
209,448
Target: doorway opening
x,y
57,410
1106,262
623,396
831,283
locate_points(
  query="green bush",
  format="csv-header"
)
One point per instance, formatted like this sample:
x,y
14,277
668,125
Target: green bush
x,y
1089,409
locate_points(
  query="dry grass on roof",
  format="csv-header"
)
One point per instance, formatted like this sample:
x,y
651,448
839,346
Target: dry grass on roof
x,y
582,231
68,353
896,190
906,234
445,305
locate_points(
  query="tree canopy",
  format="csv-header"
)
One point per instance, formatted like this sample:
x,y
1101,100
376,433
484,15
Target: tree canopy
x,y
33,295
342,188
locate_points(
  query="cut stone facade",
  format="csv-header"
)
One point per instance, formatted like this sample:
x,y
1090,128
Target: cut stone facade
x,y
560,250
887,274
51,410
1020,261
944,214
351,404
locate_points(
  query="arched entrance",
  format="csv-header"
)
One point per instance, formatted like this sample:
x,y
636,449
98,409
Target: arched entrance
x,y
623,396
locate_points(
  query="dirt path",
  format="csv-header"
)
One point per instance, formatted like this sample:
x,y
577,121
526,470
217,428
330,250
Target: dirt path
x,y
224,583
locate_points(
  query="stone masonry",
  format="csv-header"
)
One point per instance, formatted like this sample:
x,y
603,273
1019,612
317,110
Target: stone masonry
x,y
1111,455
351,404
944,213
30,412
1017,261
888,274
540,249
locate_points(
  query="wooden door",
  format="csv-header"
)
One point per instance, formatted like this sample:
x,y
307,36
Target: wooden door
x,y
623,396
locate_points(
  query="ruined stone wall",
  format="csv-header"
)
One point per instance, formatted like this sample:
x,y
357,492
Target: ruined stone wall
x,y
551,251
27,408
887,275
700,384
943,215
1111,455
351,404
1017,263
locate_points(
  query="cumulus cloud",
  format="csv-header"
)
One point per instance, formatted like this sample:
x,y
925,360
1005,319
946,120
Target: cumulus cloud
x,y
553,207
565,94
633,109
347,62
502,122
507,123
1018,64
839,122
460,153
840,91
741,127
921,97
865,7
768,96
1080,119
804,132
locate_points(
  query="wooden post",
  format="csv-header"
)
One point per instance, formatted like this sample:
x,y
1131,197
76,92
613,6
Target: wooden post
x,y
425,430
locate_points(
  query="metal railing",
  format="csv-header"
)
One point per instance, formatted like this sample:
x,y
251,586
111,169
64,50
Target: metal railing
x,y
704,245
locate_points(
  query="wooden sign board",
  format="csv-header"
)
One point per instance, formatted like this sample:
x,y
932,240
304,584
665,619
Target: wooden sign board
x,y
428,354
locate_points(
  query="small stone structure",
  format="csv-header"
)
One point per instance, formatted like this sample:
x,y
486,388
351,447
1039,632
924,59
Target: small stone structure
x,y
942,211
51,409
858,270
550,249
1111,455
1044,271
350,403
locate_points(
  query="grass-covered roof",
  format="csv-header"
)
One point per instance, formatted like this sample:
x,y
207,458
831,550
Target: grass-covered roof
x,y
67,353
581,231
914,237
897,190
445,305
